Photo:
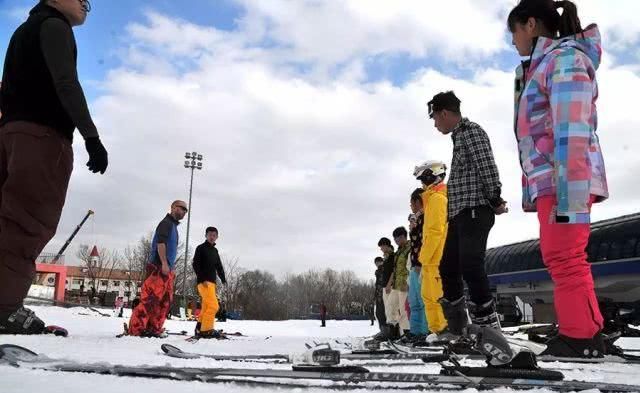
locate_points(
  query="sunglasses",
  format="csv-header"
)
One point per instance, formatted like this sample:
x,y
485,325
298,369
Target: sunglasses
x,y
183,208
86,5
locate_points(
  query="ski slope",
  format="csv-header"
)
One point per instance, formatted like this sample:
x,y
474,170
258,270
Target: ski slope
x,y
92,340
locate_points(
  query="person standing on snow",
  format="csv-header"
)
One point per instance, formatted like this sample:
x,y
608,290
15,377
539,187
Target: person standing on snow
x,y
418,324
398,282
208,266
433,201
380,311
562,163
323,314
41,104
473,200
388,267
147,319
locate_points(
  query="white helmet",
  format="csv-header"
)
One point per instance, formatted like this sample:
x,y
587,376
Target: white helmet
x,y
430,168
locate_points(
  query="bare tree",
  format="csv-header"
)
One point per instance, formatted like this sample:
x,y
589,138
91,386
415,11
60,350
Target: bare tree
x,y
136,258
233,272
101,267
180,272
260,296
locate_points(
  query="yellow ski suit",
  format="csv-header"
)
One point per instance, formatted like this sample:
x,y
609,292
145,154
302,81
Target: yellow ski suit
x,y
434,235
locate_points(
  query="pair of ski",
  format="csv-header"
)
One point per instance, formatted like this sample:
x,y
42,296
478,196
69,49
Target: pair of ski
x,y
348,378
395,353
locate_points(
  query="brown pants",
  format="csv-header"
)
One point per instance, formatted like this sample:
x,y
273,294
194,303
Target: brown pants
x,y
35,167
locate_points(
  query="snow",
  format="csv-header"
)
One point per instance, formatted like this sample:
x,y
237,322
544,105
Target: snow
x,y
92,340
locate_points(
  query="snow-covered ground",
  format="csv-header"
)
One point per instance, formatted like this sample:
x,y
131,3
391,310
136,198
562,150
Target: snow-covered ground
x,y
92,340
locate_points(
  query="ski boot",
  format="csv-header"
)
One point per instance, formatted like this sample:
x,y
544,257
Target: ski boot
x,y
491,343
484,339
407,338
484,314
456,314
563,346
21,321
384,334
213,333
444,336
196,331
393,332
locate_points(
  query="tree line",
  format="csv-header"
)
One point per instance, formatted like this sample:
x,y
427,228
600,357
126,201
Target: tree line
x,y
254,294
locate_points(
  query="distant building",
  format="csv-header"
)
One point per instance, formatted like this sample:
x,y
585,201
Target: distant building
x,y
121,283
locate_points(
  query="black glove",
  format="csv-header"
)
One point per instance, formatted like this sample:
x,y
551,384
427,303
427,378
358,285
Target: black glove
x,y
98,157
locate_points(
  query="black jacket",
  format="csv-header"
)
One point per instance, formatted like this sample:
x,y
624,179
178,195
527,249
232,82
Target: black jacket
x,y
206,263
40,82
388,267
380,283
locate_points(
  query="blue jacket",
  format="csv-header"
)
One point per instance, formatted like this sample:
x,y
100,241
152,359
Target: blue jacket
x,y
167,233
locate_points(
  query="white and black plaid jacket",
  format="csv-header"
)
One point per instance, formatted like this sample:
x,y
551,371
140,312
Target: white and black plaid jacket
x,y
473,179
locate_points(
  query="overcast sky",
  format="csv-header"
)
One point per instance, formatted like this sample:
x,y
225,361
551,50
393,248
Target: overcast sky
x,y
311,116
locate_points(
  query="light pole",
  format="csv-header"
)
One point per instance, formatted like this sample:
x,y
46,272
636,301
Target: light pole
x,y
193,161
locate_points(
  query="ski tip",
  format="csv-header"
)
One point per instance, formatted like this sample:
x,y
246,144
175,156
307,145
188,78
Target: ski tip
x,y
14,353
168,348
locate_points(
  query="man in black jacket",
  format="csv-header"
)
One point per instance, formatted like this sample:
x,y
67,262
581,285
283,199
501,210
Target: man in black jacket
x,y
41,104
207,265
474,199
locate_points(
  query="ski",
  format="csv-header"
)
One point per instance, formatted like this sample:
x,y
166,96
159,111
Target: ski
x,y
173,351
354,377
462,351
627,359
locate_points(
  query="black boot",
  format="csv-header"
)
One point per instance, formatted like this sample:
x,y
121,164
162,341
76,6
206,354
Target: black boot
x,y
383,335
211,334
21,321
456,314
197,329
484,314
394,332
563,346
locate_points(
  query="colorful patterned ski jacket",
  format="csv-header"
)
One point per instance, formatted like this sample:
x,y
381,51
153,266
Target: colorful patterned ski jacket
x,y
556,122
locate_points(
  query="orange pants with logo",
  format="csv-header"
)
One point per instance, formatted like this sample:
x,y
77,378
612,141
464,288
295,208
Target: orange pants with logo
x,y
155,301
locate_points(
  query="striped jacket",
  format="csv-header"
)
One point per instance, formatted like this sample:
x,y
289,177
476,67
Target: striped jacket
x,y
555,124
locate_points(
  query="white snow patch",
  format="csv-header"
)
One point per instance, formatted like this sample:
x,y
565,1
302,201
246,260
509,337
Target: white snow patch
x,y
92,340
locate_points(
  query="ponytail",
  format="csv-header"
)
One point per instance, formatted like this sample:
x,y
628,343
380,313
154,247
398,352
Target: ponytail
x,y
546,12
569,21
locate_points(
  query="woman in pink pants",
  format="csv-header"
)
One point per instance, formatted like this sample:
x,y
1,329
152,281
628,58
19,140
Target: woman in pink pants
x,y
562,164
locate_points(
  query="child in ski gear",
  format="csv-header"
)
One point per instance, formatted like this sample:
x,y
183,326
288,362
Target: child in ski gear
x,y
388,268
379,300
417,317
156,294
432,200
473,201
562,163
206,263
398,282
41,103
